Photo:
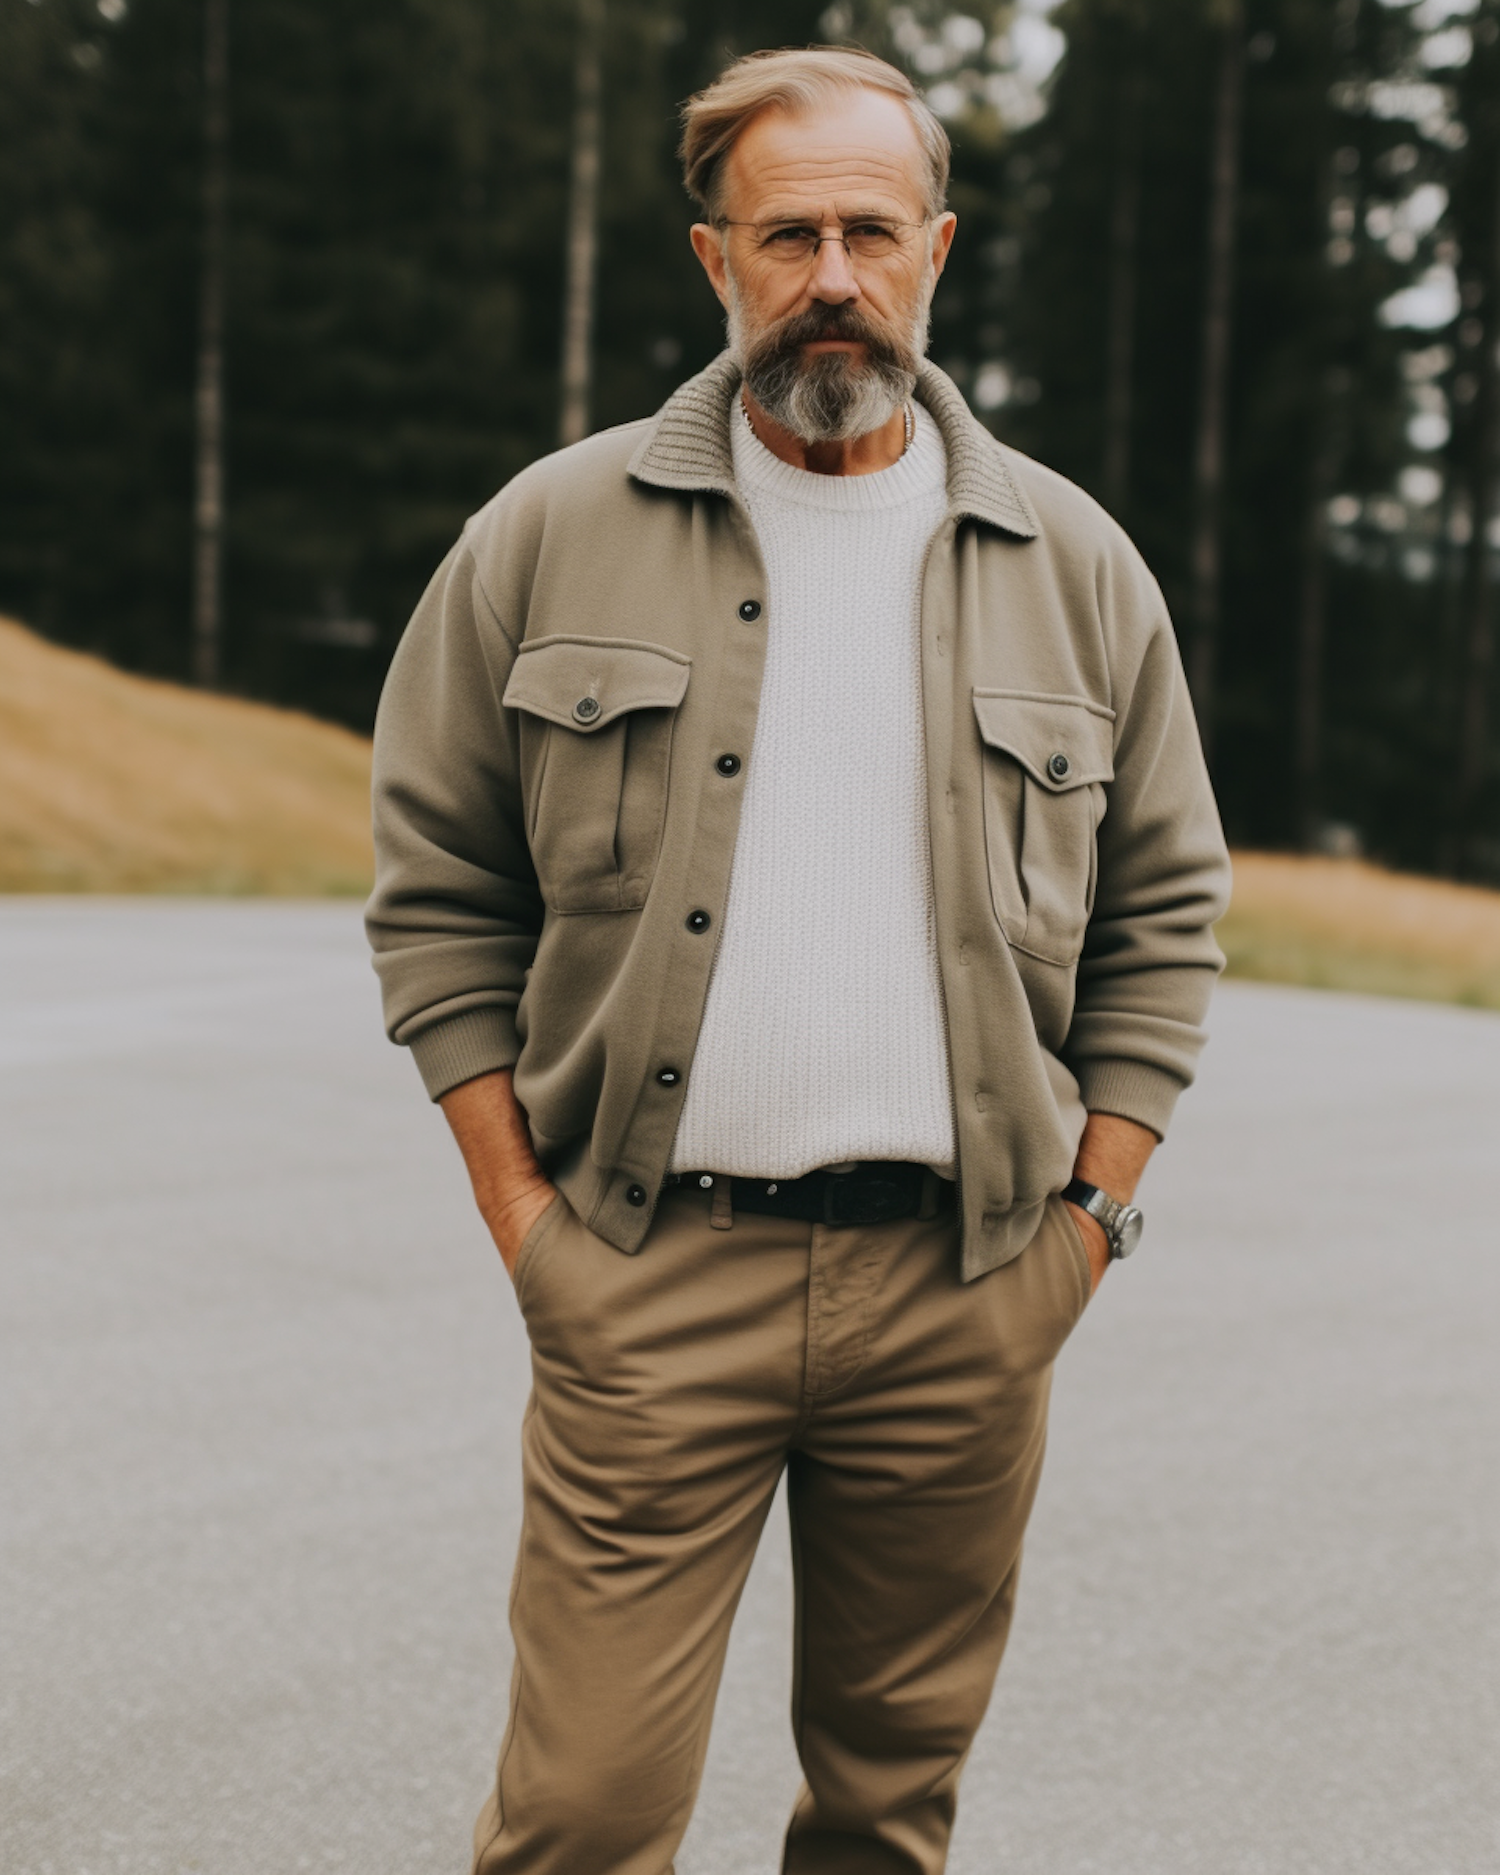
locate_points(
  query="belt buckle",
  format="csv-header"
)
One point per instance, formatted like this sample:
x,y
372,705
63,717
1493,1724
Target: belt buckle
x,y
867,1196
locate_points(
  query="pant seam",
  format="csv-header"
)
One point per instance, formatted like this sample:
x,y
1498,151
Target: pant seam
x,y
518,1675
799,1652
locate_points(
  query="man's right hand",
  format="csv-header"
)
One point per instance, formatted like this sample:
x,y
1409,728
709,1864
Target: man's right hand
x,y
510,1188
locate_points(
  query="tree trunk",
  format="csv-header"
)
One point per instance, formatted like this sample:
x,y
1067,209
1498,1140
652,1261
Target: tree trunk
x,y
1124,272
1479,587
208,493
1213,398
583,227
1327,440
1312,609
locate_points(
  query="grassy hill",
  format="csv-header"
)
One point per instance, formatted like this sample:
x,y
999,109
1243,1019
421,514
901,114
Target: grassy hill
x,y
114,783
1340,924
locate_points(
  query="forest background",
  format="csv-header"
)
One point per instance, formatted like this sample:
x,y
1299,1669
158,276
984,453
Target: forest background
x,y
1233,265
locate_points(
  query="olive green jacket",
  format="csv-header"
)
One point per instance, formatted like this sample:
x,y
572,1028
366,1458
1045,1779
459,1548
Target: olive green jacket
x,y
554,835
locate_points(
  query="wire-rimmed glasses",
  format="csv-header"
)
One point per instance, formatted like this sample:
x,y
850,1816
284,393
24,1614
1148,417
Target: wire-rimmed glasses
x,y
870,237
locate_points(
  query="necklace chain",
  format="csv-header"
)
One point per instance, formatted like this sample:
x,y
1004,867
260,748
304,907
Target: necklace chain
x,y
908,418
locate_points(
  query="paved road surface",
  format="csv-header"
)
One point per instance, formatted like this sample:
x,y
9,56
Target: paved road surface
x,y
263,1374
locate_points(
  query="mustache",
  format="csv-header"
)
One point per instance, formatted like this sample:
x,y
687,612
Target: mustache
x,y
844,321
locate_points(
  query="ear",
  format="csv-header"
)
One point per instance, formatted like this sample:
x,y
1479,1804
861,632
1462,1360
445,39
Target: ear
x,y
708,245
944,229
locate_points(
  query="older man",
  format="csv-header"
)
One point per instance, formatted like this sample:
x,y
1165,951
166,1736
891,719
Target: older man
x,y
796,877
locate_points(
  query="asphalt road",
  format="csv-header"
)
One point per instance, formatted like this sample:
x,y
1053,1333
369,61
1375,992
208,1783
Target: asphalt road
x,y
262,1378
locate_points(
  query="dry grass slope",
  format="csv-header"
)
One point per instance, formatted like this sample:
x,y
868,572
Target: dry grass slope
x,y
115,783
1343,925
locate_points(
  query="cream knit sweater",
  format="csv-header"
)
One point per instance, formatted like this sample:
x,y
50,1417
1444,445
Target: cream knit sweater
x,y
823,1037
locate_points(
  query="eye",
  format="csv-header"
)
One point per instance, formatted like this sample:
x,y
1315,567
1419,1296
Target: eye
x,y
789,236
872,235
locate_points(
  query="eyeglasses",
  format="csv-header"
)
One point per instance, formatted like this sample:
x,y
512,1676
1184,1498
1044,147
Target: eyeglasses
x,y
796,242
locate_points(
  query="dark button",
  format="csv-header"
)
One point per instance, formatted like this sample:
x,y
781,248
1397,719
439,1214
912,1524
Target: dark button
x,y
728,764
635,1194
669,1077
1058,767
750,610
698,921
586,709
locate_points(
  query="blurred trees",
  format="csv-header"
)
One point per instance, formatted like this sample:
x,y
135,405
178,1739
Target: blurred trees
x,y
1473,369
1317,593
398,192
397,216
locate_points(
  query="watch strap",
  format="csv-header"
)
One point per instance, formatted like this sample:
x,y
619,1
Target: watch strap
x,y
1109,1213
1080,1192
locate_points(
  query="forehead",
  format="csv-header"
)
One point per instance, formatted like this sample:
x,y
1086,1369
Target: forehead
x,y
860,150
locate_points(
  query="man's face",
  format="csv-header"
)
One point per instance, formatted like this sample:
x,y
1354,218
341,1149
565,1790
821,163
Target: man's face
x,y
829,338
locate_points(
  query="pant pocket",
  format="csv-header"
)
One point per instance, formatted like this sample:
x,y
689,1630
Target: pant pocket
x,y
1038,1297
1081,1263
540,1234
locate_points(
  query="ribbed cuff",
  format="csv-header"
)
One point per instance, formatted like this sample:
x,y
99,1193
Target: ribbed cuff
x,y
477,1042
1132,1089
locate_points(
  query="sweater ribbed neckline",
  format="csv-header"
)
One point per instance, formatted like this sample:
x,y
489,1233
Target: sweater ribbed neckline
x,y
911,478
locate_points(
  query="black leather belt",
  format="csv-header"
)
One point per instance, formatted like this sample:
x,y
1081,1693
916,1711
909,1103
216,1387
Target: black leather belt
x,y
876,1192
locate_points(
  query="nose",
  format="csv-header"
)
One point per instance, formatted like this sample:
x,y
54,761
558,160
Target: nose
x,y
833,280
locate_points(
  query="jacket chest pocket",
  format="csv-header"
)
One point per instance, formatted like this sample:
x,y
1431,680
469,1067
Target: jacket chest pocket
x,y
1046,759
596,744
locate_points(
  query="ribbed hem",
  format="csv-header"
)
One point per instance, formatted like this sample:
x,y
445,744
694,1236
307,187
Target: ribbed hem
x,y
1133,1090
477,1042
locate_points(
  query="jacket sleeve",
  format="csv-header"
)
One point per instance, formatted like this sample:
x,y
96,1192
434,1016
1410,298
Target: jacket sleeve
x,y
1149,958
455,915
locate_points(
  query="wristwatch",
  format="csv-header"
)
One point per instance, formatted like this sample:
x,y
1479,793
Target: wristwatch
x,y
1122,1222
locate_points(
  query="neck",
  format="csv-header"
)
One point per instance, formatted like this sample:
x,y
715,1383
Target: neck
x,y
860,455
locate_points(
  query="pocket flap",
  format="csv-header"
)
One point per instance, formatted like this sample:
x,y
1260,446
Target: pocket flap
x,y
584,683
1061,742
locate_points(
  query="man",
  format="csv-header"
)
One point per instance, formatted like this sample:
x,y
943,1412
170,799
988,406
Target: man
x,y
796,865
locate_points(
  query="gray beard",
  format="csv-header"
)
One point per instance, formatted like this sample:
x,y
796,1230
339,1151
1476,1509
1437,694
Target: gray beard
x,y
833,397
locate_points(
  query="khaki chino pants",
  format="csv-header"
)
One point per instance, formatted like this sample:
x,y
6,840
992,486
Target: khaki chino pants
x,y
671,1390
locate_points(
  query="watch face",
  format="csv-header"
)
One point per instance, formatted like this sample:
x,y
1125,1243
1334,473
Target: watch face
x,y
1128,1228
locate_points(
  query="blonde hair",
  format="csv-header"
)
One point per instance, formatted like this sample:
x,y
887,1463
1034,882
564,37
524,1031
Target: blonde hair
x,y
795,79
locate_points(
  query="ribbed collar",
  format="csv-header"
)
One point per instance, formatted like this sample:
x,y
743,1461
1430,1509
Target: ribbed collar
x,y
687,446
919,475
